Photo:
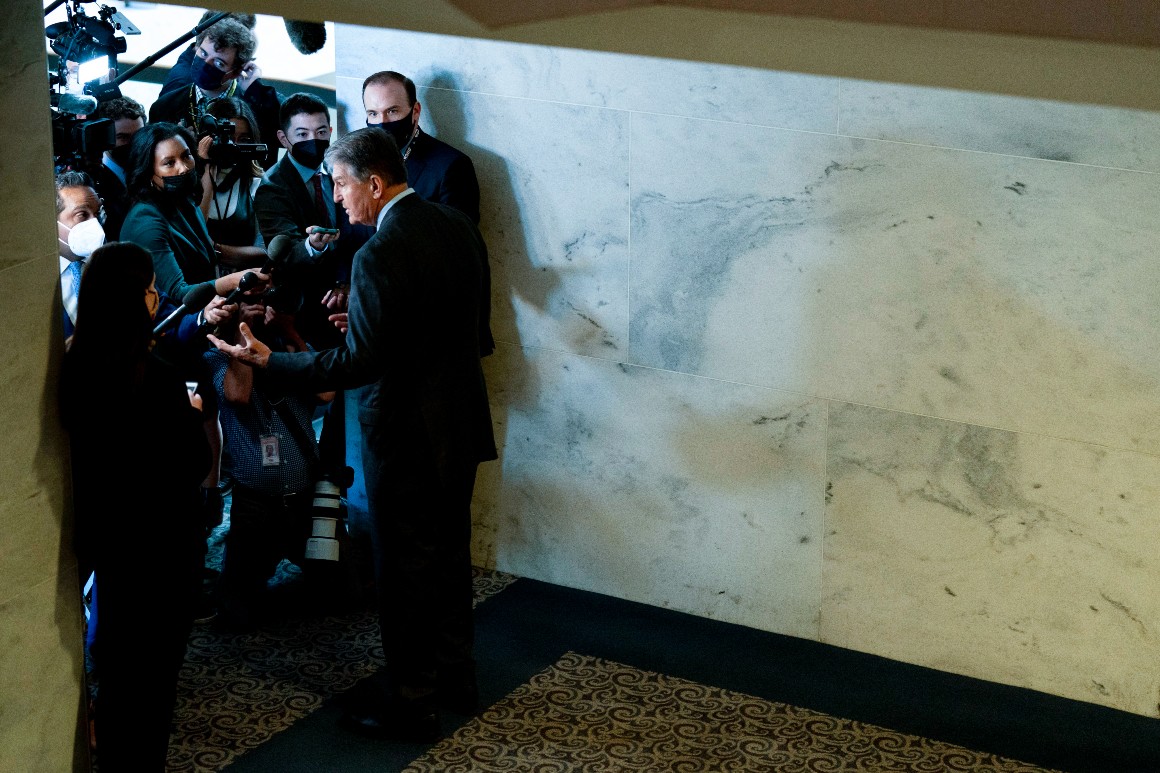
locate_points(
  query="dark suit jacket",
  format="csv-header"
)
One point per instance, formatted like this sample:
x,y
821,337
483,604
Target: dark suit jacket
x,y
114,198
176,236
264,100
440,173
414,314
285,206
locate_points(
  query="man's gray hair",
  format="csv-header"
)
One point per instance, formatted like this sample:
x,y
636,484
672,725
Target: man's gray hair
x,y
368,151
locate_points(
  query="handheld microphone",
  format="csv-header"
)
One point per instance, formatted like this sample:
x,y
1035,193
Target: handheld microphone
x,y
278,249
307,36
248,281
196,297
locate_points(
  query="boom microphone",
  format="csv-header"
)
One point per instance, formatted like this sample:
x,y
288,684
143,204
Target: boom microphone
x,y
307,36
197,297
76,104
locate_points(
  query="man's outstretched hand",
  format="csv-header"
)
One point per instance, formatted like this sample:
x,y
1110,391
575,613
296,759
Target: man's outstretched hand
x,y
251,351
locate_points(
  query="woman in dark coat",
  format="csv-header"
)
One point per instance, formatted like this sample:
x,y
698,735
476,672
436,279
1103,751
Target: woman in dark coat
x,y
139,454
166,219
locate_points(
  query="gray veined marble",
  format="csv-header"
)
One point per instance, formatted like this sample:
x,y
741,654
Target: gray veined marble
x,y
994,290
658,487
1037,128
1011,557
620,81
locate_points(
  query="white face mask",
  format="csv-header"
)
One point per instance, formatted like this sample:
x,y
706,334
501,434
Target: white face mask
x,y
85,237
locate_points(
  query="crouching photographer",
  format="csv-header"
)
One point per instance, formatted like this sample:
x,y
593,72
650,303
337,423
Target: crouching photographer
x,y
274,463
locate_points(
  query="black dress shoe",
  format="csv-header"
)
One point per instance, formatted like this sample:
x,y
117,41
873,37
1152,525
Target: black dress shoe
x,y
393,724
459,699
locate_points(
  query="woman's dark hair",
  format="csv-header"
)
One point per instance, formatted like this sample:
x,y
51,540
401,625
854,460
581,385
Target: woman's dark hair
x,y
113,329
145,142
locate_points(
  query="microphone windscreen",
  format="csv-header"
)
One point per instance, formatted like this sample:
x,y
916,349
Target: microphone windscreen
x,y
77,104
278,248
198,296
307,36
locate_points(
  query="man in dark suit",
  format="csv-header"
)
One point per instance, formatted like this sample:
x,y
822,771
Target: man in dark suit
x,y
112,176
295,198
412,335
223,65
435,170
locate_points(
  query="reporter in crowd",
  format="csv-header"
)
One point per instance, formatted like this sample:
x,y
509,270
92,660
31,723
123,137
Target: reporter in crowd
x,y
132,422
223,65
166,220
228,185
111,176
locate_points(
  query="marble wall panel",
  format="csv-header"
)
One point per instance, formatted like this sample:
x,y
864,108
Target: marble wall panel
x,y
1010,557
672,490
1037,128
623,82
554,211
989,289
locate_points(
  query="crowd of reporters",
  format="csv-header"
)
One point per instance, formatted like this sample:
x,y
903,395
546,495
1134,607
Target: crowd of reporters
x,y
166,227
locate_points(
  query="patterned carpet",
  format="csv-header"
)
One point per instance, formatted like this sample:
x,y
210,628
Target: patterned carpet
x,y
588,714
265,700
238,690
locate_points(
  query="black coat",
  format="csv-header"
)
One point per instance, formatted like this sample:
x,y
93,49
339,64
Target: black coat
x,y
440,173
179,106
414,317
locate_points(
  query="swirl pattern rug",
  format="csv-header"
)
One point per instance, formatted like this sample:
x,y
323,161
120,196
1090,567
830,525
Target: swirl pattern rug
x,y
588,714
238,690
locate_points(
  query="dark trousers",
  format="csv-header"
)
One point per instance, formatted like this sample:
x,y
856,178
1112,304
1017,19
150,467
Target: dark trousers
x,y
147,598
264,529
422,547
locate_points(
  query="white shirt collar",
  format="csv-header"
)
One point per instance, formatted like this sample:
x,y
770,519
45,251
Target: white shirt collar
x,y
391,203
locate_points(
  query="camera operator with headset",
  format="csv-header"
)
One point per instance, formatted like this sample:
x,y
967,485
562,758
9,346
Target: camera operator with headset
x,y
229,145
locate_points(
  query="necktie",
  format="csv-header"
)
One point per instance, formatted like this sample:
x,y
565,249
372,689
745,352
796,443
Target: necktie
x,y
320,202
73,287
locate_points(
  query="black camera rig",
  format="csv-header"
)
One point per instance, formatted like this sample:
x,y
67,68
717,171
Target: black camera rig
x,y
224,151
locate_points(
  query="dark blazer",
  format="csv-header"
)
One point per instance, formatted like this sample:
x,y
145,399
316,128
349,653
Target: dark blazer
x,y
178,106
440,173
114,198
285,207
175,235
413,336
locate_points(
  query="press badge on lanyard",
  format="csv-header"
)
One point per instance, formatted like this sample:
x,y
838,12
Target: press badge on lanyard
x,y
270,455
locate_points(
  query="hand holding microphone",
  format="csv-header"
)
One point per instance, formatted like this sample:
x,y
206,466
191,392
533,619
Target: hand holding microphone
x,y
195,298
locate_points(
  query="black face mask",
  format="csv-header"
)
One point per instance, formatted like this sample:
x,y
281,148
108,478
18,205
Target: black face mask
x,y
400,129
181,184
205,75
309,153
120,155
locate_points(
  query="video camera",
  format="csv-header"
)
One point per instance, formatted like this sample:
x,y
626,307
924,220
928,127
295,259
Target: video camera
x,y
224,151
87,48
